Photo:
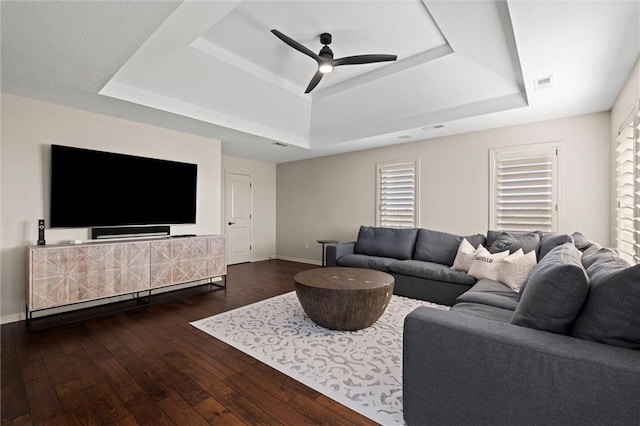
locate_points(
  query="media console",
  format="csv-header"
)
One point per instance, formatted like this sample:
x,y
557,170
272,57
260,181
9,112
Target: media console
x,y
66,274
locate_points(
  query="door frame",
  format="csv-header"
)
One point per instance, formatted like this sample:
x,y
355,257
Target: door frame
x,y
224,215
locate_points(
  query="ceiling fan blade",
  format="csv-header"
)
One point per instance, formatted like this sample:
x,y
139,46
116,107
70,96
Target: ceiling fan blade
x,y
314,81
363,59
299,47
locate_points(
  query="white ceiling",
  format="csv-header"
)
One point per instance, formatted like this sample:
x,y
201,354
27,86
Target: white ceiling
x,y
213,68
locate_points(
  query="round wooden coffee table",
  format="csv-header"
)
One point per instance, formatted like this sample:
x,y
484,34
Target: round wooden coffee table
x,y
344,298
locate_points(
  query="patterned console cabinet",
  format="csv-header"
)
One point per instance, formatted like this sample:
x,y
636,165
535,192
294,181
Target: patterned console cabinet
x,y
183,260
61,274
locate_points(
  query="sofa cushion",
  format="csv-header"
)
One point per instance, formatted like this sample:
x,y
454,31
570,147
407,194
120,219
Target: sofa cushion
x,y
441,247
514,242
552,240
515,270
611,313
492,236
555,292
386,242
492,293
601,255
486,265
484,311
430,270
465,256
581,241
367,262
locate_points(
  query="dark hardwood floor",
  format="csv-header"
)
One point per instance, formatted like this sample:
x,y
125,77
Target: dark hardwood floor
x,y
149,366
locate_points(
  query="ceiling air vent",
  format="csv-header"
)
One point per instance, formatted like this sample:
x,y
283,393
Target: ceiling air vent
x,y
434,127
281,144
543,82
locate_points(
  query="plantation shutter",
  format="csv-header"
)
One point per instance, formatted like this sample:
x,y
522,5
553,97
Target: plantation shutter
x,y
524,188
397,194
628,190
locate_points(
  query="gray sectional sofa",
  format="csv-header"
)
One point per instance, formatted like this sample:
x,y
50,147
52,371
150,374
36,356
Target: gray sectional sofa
x,y
419,259
565,349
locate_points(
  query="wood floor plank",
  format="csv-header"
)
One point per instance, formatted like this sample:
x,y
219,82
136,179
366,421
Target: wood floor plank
x,y
122,382
181,383
107,405
60,369
30,360
43,401
216,413
75,402
266,401
14,404
181,412
236,402
102,330
24,420
149,366
147,411
150,381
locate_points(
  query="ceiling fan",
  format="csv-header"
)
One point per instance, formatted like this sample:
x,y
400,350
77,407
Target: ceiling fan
x,y
325,60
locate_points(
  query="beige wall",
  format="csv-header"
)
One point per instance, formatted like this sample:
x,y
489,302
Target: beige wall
x,y
263,179
28,129
331,197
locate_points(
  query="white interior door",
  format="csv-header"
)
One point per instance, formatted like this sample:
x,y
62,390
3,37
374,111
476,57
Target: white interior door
x,y
238,217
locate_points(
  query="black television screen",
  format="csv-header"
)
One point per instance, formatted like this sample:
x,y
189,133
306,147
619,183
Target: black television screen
x,y
96,188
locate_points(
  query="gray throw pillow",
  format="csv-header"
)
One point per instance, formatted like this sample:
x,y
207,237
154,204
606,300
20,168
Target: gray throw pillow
x,y
492,236
611,313
386,242
555,292
441,247
601,255
514,242
581,241
551,240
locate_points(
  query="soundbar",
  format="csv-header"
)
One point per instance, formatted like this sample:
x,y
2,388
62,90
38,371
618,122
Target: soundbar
x,y
129,231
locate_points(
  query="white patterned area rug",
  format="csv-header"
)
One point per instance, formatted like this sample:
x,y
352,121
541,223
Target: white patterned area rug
x,y
359,369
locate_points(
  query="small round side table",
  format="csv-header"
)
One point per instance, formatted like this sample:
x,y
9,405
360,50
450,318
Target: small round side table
x,y
324,243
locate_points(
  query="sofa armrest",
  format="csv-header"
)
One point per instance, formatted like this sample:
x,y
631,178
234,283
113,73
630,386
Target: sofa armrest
x,y
336,251
462,369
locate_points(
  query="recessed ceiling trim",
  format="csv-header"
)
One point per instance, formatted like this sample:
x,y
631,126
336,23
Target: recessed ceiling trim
x,y
217,52
165,103
411,123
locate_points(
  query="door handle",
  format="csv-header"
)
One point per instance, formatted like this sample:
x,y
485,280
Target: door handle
x,y
232,223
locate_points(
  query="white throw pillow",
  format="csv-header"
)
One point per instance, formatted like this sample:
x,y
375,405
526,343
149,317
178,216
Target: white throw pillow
x,y
487,265
514,271
465,255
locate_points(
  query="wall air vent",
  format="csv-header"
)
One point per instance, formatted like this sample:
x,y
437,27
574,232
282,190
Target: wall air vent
x,y
543,83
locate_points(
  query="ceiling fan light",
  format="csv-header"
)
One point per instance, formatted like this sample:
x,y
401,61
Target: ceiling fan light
x,y
325,67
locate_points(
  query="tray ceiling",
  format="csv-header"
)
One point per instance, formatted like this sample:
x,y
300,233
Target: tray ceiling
x,y
214,68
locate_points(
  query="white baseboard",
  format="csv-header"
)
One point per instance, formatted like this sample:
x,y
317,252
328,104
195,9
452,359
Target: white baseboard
x,y
295,259
262,259
6,319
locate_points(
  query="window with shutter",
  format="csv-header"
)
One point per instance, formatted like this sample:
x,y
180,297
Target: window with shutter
x,y
397,194
628,189
524,188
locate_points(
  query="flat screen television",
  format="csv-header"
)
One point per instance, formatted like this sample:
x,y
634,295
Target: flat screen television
x,y
95,188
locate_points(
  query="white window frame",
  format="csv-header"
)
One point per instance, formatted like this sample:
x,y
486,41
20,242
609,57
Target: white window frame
x,y
551,149
627,188
381,205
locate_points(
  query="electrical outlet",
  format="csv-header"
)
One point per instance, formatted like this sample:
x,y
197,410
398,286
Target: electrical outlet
x,y
306,245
